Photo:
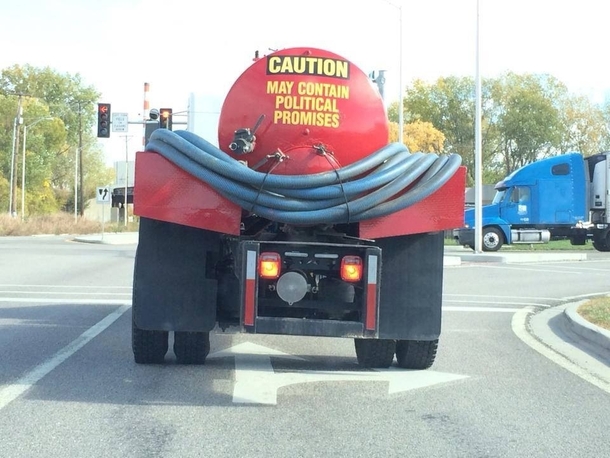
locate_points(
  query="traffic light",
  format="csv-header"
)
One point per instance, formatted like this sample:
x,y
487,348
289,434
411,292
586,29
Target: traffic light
x,y
165,118
103,120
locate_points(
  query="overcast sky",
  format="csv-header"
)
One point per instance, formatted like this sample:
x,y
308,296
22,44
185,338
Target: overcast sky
x,y
195,46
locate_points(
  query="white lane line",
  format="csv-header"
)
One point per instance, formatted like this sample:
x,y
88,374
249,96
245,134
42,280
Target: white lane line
x,y
535,304
588,269
502,296
64,286
533,269
68,293
481,309
519,326
584,296
29,300
13,391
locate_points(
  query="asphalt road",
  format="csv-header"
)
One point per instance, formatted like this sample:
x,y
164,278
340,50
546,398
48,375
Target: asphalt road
x,y
69,386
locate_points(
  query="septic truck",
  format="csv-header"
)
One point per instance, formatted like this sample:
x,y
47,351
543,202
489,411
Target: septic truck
x,y
303,221
560,197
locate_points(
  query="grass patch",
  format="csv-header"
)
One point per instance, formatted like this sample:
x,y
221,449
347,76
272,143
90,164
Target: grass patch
x,y
597,311
61,223
553,245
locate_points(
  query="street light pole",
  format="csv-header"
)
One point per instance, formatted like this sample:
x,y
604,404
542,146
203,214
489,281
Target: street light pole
x,y
478,153
12,193
80,158
76,186
25,133
401,115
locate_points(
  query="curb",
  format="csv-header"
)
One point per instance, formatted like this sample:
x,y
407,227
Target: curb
x,y
593,334
124,238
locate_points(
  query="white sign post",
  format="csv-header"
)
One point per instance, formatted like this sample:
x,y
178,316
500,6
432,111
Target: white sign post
x,y
120,122
102,196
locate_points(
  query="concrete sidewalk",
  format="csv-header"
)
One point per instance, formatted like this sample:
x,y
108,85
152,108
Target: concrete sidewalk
x,y
508,257
109,238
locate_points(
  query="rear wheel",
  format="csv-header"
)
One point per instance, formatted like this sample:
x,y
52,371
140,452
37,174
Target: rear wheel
x,y
602,243
416,354
191,347
492,239
149,347
378,353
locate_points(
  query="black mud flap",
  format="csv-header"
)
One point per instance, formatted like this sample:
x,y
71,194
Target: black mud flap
x,y
173,288
411,287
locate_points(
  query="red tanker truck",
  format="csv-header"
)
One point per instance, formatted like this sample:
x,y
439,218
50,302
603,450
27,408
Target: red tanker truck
x,y
305,221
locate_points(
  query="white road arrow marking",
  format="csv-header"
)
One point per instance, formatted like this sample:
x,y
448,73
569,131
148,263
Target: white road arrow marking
x,y
257,383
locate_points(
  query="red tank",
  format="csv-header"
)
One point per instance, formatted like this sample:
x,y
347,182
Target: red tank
x,y
302,102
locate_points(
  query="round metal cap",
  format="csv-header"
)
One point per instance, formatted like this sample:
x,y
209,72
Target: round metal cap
x,y
292,287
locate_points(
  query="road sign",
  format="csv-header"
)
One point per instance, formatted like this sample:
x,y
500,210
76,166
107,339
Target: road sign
x,y
120,122
103,194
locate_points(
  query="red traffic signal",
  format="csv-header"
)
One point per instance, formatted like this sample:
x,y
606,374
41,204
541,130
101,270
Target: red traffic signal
x,y
165,118
103,120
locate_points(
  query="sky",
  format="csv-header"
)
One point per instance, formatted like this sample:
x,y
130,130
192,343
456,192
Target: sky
x,y
183,47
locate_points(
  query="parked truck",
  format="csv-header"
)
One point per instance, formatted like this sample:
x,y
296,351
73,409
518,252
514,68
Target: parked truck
x,y
560,197
304,221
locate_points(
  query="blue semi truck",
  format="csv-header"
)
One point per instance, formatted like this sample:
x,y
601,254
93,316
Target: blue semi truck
x,y
560,197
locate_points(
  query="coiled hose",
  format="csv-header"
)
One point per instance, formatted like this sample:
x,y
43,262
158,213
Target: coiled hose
x,y
369,188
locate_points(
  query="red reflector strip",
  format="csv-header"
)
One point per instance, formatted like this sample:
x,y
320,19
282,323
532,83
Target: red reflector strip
x,y
250,290
371,294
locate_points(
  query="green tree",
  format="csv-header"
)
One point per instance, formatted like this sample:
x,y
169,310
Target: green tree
x,y
51,145
585,126
448,104
605,139
526,118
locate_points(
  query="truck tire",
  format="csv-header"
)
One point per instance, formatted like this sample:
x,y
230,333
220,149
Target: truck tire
x,y
377,353
191,347
149,347
416,354
492,239
601,245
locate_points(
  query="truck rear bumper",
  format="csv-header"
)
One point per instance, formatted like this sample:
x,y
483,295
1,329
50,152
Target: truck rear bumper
x,y
315,328
330,307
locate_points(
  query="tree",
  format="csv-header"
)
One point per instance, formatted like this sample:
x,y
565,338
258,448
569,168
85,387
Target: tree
x,y
585,126
448,104
605,136
527,121
419,136
51,146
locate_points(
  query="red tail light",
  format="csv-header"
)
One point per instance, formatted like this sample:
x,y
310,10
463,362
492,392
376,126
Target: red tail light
x,y
351,268
269,265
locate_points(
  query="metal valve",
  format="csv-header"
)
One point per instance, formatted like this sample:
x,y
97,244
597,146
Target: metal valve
x,y
244,139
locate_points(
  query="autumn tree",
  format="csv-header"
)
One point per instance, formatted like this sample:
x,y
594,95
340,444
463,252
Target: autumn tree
x,y
419,136
51,143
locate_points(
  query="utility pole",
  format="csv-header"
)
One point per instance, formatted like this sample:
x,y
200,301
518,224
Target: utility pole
x,y
80,157
13,187
127,137
76,186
